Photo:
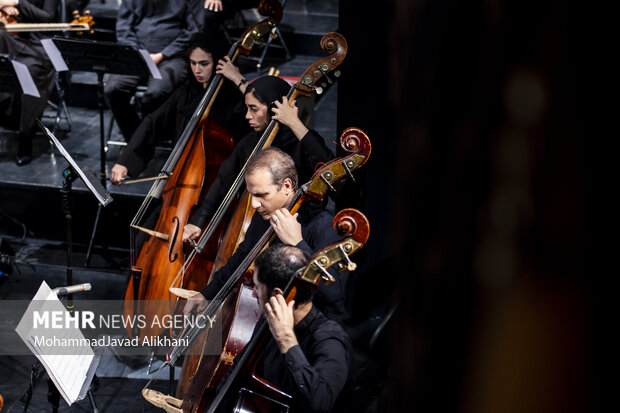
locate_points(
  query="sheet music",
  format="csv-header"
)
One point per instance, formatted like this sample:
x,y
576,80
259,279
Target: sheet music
x,y
68,371
25,80
54,54
150,64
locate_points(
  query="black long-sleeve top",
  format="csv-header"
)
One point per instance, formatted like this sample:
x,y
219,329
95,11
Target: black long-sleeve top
x,y
317,232
37,11
317,372
169,121
307,154
166,26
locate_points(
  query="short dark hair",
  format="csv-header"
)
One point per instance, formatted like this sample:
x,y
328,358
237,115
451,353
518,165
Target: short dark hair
x,y
278,264
279,164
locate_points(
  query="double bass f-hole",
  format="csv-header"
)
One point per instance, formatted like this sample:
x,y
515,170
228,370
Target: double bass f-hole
x,y
176,223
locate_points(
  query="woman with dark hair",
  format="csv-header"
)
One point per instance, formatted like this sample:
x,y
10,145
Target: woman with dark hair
x,y
170,119
264,100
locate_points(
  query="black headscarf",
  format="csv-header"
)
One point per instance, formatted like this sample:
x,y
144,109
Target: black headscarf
x,y
270,88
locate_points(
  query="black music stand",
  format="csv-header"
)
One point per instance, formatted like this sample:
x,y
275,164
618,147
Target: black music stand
x,y
101,58
15,77
70,174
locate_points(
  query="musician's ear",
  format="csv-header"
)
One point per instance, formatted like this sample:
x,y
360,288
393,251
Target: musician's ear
x,y
277,291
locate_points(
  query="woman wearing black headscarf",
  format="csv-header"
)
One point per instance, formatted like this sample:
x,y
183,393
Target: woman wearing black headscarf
x,y
169,120
265,99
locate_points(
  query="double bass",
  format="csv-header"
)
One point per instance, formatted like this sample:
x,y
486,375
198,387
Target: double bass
x,y
334,44
154,266
239,312
254,393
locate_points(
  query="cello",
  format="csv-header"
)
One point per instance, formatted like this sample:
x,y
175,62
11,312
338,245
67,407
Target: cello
x,y
182,181
202,372
255,394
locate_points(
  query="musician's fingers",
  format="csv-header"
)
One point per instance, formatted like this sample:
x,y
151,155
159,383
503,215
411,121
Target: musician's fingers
x,y
268,311
281,301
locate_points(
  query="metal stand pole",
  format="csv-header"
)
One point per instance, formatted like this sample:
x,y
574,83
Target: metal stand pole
x,y
102,173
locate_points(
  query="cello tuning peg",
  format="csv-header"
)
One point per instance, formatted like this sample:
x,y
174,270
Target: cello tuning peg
x,y
319,90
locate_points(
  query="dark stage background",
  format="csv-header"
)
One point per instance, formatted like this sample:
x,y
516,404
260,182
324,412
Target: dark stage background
x,y
476,195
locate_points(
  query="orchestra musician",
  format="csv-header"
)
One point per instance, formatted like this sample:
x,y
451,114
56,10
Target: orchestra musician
x,y
271,180
170,119
307,356
264,100
26,48
165,28
217,12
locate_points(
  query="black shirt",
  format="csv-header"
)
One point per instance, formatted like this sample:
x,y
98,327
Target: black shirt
x,y
317,232
317,372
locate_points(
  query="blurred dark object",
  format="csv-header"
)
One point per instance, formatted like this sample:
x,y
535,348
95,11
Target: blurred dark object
x,y
79,5
484,200
7,258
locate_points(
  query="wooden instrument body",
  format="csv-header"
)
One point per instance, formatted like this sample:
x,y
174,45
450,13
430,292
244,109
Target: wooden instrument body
x,y
240,313
160,260
201,372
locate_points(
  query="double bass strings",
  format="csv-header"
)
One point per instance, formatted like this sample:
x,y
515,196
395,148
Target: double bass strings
x,y
157,187
264,141
218,300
